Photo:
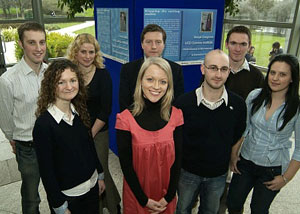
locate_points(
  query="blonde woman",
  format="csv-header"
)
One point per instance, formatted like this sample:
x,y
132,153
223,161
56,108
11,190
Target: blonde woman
x,y
149,138
85,52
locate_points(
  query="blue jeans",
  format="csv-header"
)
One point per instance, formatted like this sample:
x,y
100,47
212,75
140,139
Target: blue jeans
x,y
29,169
210,190
252,176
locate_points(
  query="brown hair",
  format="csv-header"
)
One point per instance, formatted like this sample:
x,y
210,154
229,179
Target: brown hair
x,y
47,95
153,28
239,29
28,26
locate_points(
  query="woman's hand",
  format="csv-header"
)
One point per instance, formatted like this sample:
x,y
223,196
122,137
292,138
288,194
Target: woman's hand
x,y
233,163
163,202
101,185
276,184
155,207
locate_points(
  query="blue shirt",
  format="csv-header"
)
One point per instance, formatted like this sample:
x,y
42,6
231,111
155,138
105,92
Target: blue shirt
x,y
264,144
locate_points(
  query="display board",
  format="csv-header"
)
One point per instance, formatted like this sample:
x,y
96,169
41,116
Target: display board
x,y
193,28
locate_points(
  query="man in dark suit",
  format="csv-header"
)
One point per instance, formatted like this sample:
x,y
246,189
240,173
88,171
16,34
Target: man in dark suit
x,y
153,40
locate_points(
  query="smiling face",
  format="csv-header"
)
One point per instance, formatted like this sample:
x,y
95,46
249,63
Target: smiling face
x,y
215,70
34,47
238,45
279,77
154,83
86,55
67,86
153,44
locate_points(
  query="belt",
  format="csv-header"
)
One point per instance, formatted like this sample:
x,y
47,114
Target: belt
x,y
25,143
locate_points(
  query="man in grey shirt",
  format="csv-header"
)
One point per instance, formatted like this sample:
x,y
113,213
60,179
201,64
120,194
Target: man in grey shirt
x,y
19,88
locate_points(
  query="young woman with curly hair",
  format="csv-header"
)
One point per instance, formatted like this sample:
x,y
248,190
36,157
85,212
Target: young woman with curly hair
x,y
70,170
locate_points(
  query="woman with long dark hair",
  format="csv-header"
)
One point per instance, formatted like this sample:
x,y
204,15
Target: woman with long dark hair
x,y
69,167
264,163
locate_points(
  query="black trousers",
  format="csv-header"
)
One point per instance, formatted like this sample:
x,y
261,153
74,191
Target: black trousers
x,y
84,204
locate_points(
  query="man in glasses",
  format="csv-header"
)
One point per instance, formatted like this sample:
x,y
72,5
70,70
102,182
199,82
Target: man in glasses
x,y
214,120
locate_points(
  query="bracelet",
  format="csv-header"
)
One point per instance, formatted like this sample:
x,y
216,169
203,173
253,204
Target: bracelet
x,y
284,179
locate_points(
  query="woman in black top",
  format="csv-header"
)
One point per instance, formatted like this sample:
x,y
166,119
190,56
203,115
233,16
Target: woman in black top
x,y
70,170
85,52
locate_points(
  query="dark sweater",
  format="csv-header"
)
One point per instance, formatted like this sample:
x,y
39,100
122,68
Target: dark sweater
x,y
66,155
210,134
100,97
150,120
243,82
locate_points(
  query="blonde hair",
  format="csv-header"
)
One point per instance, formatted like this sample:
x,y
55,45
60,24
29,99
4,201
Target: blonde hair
x,y
78,42
166,100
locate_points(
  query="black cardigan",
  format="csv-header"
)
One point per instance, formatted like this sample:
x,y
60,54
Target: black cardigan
x,y
66,155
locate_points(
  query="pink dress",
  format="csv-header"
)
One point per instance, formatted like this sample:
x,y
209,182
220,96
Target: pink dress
x,y
153,155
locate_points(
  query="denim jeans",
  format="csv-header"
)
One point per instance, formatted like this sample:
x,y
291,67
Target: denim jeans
x,y
29,169
252,176
210,190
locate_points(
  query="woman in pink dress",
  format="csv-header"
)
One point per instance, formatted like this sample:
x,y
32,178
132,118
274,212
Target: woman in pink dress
x,y
149,138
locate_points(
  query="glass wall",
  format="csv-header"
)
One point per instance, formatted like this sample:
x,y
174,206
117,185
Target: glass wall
x,y
269,21
16,9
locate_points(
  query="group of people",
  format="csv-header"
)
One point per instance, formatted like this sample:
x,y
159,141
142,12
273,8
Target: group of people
x,y
170,143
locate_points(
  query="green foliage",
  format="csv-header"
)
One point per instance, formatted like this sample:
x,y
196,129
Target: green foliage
x,y
9,34
57,45
75,6
232,7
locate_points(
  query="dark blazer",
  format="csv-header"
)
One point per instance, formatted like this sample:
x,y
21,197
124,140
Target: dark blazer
x,y
128,77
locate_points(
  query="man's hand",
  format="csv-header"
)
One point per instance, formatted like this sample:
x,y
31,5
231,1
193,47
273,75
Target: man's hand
x,y
233,163
13,146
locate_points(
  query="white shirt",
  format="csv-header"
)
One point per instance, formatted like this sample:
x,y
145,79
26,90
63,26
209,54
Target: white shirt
x,y
245,66
209,104
19,90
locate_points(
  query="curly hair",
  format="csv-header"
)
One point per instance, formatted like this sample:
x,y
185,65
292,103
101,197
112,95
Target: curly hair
x,y
166,100
78,42
47,95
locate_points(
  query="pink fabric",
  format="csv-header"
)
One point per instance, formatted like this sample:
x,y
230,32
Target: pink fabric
x,y
153,155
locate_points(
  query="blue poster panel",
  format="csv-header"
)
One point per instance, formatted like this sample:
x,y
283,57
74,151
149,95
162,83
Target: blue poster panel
x,y
190,32
112,34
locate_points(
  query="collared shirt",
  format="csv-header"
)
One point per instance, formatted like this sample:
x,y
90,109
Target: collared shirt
x,y
209,104
84,187
59,115
19,89
264,144
245,66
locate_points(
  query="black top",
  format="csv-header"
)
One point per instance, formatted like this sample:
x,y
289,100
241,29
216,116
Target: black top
x,y
150,120
128,77
243,82
100,97
208,135
66,155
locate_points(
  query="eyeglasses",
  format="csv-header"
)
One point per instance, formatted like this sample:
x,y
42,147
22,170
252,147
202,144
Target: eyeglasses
x,y
215,68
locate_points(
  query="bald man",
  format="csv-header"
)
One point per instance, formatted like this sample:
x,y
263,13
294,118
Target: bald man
x,y
214,120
